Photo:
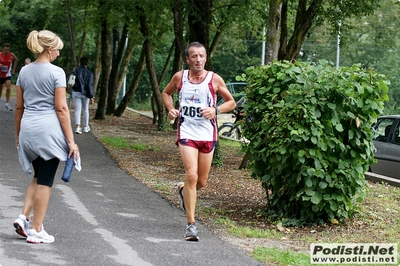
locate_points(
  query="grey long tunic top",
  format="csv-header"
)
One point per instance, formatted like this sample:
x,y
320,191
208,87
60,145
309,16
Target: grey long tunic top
x,y
40,132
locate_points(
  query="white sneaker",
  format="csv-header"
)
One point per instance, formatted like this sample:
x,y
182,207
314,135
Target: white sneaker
x,y
78,130
21,225
86,129
8,107
41,237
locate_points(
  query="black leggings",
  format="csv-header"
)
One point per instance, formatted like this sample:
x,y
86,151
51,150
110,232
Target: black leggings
x,y
45,171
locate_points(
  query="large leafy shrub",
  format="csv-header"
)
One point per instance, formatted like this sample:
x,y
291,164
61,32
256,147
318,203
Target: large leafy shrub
x,y
309,128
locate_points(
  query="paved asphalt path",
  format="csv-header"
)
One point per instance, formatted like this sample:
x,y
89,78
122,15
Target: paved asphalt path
x,y
104,216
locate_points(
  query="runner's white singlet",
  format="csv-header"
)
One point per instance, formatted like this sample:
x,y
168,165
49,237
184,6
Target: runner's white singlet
x,y
192,97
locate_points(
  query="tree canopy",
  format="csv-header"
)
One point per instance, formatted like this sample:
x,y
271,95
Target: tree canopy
x,y
111,35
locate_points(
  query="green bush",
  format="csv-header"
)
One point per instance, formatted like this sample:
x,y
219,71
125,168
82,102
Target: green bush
x,y
309,128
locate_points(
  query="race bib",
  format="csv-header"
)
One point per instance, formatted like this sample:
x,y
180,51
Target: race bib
x,y
192,103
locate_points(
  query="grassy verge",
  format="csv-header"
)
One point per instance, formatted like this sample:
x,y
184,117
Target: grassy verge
x,y
378,220
122,143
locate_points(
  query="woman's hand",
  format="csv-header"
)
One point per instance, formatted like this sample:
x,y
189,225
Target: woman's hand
x,y
73,150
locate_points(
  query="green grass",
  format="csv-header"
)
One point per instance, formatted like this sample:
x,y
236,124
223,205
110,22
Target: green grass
x,y
116,142
281,257
229,143
122,143
244,231
139,147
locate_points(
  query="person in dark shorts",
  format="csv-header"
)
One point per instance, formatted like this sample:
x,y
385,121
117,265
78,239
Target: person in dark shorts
x,y
197,128
43,131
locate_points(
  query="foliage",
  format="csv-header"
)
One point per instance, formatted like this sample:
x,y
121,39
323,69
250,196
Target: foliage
x,y
310,137
309,13
371,41
21,17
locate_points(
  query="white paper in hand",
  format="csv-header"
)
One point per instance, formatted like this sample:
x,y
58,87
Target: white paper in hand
x,y
78,164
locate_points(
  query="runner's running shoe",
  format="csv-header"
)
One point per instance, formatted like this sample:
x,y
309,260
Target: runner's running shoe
x,y
191,232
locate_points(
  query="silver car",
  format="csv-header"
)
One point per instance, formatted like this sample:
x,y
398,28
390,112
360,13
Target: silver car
x,y
387,146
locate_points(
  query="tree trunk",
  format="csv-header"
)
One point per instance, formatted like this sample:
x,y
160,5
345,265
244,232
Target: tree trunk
x,y
166,64
154,108
97,63
152,73
304,19
84,36
199,19
274,21
179,55
135,81
106,68
220,29
71,34
155,86
245,161
284,31
162,75
113,88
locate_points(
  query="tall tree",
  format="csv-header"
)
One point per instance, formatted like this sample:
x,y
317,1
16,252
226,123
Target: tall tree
x,y
119,46
97,62
312,12
71,33
179,55
273,34
106,35
199,17
144,26
135,81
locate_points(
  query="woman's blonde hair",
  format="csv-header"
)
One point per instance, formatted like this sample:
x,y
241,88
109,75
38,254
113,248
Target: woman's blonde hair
x,y
38,42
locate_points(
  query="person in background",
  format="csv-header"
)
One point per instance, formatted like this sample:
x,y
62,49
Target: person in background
x,y
82,94
27,61
8,64
197,128
43,131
